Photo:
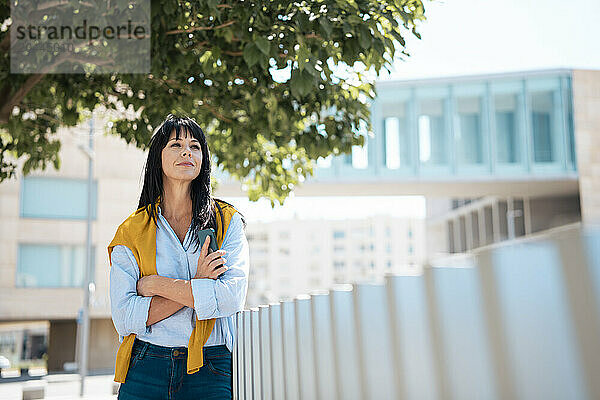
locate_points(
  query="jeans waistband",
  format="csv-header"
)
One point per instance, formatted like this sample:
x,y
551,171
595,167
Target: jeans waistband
x,y
146,348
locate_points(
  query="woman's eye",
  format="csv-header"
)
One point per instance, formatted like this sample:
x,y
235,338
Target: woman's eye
x,y
196,147
175,144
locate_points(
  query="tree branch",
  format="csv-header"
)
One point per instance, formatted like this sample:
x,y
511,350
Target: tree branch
x,y
214,111
201,28
5,44
313,35
16,98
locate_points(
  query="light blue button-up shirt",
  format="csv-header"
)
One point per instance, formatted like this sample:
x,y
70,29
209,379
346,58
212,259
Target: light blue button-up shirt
x,y
213,298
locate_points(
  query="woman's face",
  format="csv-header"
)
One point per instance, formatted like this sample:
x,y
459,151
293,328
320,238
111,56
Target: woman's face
x,y
181,159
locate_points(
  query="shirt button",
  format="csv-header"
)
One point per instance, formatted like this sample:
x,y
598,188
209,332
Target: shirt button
x,y
175,353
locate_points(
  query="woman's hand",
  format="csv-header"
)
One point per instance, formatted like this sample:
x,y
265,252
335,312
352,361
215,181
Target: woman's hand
x,y
208,263
145,285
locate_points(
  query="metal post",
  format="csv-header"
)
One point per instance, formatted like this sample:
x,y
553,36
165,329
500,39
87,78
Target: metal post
x,y
457,240
527,215
482,228
86,283
495,221
469,231
510,218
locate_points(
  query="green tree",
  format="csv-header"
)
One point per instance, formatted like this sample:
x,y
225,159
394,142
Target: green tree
x,y
225,65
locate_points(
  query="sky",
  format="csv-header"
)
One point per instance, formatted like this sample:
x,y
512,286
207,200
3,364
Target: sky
x,y
462,37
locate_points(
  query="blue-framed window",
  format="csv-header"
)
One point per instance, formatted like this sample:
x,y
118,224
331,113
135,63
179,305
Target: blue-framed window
x,y
52,265
61,198
507,117
339,234
469,130
433,144
397,143
542,125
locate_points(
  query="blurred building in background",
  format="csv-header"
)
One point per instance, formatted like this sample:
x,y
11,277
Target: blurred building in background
x,y
291,257
497,156
42,246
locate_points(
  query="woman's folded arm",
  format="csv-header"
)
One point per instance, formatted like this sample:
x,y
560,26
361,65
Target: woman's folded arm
x,y
222,297
132,313
210,298
129,311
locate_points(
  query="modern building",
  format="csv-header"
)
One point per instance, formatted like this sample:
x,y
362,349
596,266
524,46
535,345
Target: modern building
x,y
508,143
42,245
497,156
296,256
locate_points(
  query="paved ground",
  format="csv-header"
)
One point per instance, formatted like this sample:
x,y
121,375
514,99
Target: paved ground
x,y
63,387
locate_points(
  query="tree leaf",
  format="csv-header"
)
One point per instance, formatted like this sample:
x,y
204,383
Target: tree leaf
x,y
263,45
251,54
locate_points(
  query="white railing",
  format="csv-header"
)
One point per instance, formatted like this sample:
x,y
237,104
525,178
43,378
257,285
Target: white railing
x,y
522,324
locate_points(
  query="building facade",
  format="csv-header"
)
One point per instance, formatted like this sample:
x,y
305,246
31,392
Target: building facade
x,y
292,257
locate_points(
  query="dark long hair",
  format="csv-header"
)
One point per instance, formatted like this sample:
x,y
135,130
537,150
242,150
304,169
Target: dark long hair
x,y
203,204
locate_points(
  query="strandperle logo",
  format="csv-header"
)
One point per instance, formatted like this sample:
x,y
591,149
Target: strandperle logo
x,y
76,38
128,31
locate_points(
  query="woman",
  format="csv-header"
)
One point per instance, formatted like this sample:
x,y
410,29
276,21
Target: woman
x,y
172,308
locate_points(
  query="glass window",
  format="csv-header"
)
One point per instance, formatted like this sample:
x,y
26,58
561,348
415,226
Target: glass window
x,y
44,197
433,148
360,154
339,264
507,137
397,142
542,123
570,124
392,143
339,234
469,132
360,158
42,265
324,162
348,159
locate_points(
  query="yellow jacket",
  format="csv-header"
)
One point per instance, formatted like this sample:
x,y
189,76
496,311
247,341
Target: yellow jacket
x,y
138,233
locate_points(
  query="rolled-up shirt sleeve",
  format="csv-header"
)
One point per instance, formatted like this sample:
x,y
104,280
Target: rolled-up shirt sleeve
x,y
222,297
129,311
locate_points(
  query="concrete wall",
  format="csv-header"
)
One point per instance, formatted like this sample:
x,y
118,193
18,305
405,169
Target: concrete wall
x,y
586,105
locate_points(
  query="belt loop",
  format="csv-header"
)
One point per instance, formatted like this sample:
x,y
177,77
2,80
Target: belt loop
x,y
143,350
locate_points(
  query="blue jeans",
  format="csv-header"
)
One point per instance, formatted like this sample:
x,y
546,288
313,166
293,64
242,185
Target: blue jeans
x,y
158,372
